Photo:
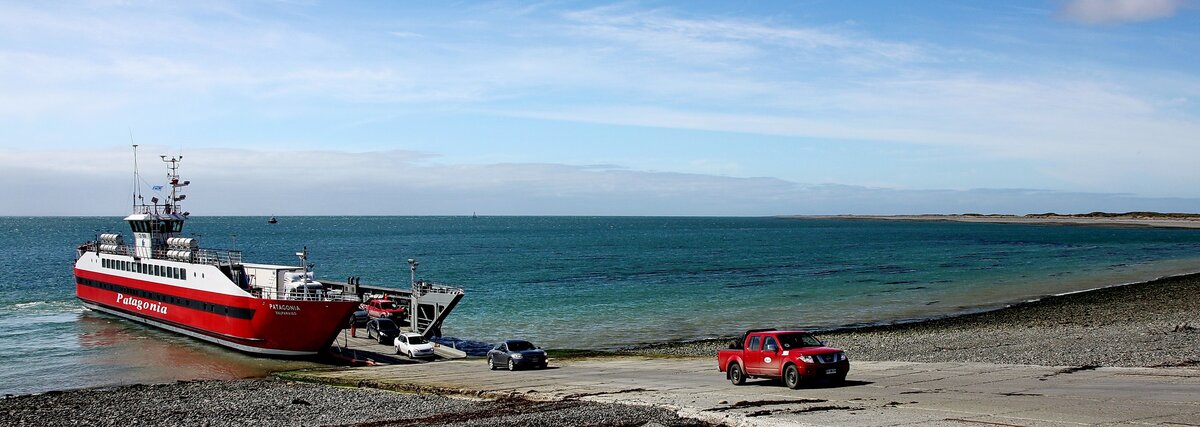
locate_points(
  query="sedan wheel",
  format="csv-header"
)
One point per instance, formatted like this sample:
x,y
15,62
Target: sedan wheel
x,y
491,364
511,366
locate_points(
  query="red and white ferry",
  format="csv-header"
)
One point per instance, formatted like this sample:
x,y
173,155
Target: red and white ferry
x,y
168,281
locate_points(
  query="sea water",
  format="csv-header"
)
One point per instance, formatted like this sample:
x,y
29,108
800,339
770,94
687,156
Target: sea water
x,y
574,282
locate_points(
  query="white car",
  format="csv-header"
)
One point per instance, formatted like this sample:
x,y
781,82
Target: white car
x,y
414,345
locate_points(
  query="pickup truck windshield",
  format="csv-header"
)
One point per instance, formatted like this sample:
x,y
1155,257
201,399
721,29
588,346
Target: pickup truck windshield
x,y
798,340
387,305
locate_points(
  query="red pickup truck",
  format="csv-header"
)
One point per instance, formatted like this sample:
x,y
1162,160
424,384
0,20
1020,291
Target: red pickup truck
x,y
379,307
794,356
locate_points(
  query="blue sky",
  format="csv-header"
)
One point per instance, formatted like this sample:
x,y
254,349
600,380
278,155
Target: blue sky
x,y
586,108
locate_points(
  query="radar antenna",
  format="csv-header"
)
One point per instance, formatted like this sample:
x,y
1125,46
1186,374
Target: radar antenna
x,y
171,205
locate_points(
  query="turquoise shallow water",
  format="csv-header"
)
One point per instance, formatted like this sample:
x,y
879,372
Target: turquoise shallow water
x,y
577,282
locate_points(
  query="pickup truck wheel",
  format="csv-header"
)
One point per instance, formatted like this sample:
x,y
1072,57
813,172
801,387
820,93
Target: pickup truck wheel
x,y
791,377
735,374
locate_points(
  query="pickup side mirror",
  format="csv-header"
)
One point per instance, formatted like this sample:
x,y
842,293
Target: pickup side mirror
x,y
771,347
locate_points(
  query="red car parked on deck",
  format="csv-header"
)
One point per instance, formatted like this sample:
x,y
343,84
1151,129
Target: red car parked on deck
x,y
793,356
384,308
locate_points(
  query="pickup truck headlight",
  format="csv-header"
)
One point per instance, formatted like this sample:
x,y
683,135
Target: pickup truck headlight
x,y
807,359
517,356
841,356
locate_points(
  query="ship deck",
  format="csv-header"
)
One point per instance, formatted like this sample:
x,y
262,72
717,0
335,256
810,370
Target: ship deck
x,y
363,351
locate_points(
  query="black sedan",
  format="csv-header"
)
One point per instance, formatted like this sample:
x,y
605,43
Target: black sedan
x,y
516,354
383,328
359,318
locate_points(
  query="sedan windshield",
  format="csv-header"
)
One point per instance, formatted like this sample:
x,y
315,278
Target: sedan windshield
x,y
799,340
416,340
387,325
519,345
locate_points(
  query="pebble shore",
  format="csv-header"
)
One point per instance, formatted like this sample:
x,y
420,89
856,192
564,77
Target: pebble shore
x,y
1147,324
275,402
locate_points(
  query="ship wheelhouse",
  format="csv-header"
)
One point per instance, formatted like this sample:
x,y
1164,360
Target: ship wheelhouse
x,y
156,226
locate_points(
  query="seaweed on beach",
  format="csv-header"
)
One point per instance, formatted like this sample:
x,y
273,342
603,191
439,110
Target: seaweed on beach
x,y
742,404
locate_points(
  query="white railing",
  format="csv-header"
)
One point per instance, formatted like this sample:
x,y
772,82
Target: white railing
x,y
217,256
199,256
271,294
430,288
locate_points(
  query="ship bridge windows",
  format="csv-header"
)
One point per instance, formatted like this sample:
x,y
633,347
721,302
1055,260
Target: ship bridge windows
x,y
156,226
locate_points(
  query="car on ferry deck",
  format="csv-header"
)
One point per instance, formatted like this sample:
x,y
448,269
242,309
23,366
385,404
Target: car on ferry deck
x,y
384,308
517,354
384,329
360,318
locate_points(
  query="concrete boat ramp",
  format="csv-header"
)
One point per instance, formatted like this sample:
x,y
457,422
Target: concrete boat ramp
x,y
876,393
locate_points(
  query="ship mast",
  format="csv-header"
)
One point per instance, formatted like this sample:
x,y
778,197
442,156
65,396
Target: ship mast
x,y
171,205
136,180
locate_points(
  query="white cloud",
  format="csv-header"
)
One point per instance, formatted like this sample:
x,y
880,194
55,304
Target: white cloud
x,y
171,64
406,34
1117,11
728,40
247,182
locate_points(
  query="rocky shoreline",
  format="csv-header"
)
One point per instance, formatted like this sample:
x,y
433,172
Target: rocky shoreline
x,y
277,402
1132,219
1148,324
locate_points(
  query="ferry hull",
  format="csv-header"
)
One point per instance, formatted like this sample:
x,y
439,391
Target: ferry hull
x,y
281,328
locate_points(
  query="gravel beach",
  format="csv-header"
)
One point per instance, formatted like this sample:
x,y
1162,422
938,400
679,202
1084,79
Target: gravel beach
x,y
274,402
1147,324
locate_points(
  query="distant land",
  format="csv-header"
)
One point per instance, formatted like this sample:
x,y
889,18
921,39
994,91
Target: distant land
x,y
1146,219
